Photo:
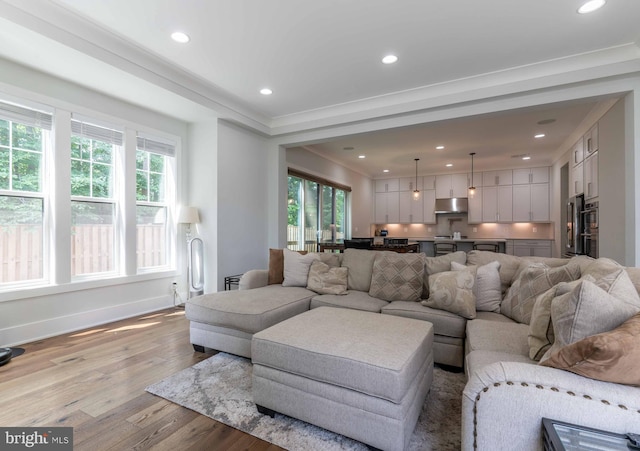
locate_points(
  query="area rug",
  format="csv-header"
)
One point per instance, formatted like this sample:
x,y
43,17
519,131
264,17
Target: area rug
x,y
220,388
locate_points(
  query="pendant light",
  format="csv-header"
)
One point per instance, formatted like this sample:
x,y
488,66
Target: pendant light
x,y
416,192
472,188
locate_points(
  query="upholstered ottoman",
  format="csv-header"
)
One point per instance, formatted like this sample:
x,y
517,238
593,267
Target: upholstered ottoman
x,y
360,374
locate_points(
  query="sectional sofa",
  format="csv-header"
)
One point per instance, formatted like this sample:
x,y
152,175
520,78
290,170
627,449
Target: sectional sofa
x,y
495,315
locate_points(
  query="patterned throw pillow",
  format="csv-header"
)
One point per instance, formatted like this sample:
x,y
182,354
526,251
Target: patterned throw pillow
x,y
452,291
533,281
397,277
324,279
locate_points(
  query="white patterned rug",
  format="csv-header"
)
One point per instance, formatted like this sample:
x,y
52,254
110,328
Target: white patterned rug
x,y
220,388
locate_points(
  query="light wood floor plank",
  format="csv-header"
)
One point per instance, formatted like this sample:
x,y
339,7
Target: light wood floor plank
x,y
93,380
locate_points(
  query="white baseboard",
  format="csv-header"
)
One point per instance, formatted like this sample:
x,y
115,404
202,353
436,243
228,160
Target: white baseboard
x,y
26,333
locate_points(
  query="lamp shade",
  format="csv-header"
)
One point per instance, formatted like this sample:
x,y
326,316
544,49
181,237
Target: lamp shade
x,y
189,215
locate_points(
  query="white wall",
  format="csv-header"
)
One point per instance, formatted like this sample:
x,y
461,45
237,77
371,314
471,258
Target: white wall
x,y
242,201
31,314
361,186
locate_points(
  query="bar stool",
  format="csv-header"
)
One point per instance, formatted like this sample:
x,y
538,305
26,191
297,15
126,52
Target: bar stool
x,y
444,247
491,246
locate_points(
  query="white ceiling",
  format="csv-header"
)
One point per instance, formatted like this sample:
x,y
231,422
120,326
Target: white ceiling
x,y
322,59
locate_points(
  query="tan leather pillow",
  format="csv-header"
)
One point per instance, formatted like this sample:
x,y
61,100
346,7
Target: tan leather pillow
x,y
276,266
612,356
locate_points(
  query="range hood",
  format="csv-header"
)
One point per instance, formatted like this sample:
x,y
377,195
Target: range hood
x,y
453,205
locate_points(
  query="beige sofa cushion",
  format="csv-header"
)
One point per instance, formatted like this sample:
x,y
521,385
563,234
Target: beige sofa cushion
x,y
397,277
444,323
356,300
438,264
509,265
296,268
487,285
360,265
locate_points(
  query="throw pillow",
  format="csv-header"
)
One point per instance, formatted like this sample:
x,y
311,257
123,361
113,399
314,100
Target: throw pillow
x,y
610,356
276,266
618,284
533,281
397,277
296,268
487,286
452,291
509,265
541,335
441,263
324,279
587,310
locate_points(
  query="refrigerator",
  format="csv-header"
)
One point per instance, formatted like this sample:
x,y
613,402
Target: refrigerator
x,y
574,228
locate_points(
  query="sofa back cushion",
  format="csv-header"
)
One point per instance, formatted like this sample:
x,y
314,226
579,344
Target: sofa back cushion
x,y
360,265
509,265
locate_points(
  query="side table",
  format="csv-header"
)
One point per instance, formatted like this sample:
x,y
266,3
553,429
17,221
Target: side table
x,y
559,436
231,280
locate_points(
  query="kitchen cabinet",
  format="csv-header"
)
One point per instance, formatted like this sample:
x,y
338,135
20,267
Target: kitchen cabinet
x,y
411,210
497,178
475,207
576,183
591,176
429,206
387,207
531,203
530,175
532,248
497,203
590,140
387,185
429,182
409,183
578,152
451,185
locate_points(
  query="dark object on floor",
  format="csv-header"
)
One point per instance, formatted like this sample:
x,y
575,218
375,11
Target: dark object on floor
x,y
6,354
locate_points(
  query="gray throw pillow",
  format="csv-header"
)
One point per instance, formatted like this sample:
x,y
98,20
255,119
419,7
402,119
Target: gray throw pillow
x,y
486,288
397,277
324,279
452,291
296,268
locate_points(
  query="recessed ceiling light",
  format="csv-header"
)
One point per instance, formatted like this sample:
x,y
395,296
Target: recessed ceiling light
x,y
539,135
266,91
180,37
449,165
385,170
591,6
348,148
361,156
546,121
526,158
439,147
389,59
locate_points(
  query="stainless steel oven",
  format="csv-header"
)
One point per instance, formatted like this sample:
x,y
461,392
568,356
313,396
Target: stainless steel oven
x,y
574,227
590,234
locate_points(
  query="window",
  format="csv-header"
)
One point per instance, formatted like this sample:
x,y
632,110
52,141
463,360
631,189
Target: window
x,y
153,194
317,211
24,138
93,201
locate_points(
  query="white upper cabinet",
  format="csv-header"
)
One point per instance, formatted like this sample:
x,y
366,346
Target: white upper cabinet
x,y
429,205
451,185
591,176
387,208
411,209
576,182
387,185
475,207
531,202
429,182
530,175
497,178
497,203
591,141
409,183
577,152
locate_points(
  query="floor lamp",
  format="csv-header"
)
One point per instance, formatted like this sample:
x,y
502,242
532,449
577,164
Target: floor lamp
x,y
195,253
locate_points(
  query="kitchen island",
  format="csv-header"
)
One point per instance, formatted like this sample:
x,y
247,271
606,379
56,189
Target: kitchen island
x,y
462,244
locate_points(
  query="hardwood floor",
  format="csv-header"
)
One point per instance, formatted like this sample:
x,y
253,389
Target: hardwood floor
x,y
94,381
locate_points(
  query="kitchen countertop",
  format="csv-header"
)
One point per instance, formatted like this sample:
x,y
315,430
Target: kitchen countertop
x,y
461,240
